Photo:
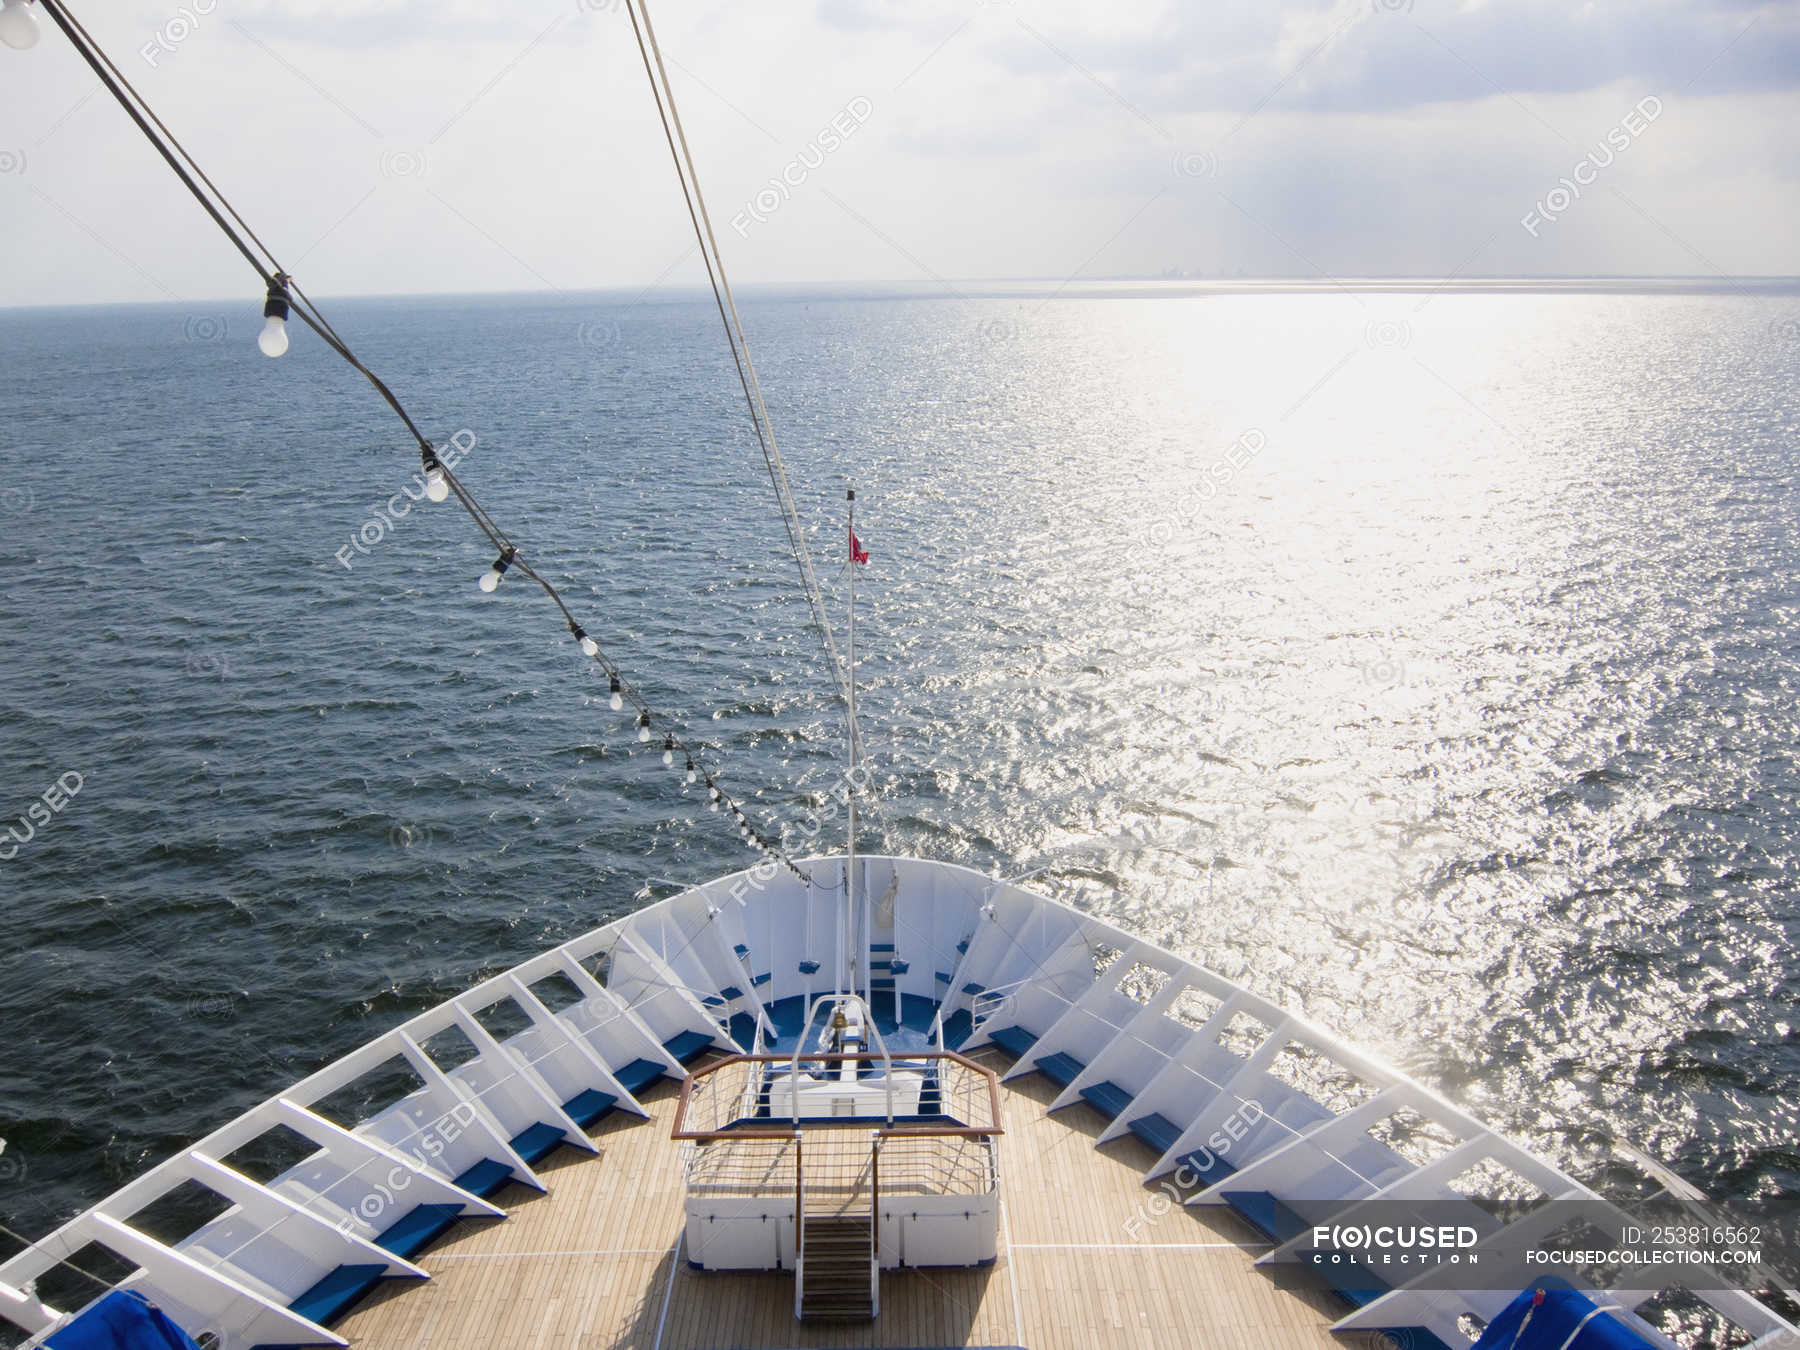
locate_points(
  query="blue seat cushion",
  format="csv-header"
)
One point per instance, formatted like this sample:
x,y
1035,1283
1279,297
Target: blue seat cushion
x,y
973,988
1158,1131
638,1075
809,967
1208,1166
1110,1098
1014,1040
534,1141
1060,1067
417,1228
333,1296
741,950
898,966
484,1178
688,1044
1266,1214
763,978
584,1108
730,993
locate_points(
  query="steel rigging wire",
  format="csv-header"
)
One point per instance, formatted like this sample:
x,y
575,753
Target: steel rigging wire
x,y
284,296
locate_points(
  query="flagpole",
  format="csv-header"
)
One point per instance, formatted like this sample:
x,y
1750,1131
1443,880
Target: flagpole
x,y
850,868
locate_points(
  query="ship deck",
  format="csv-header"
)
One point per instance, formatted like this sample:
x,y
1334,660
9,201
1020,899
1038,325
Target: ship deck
x,y
596,1262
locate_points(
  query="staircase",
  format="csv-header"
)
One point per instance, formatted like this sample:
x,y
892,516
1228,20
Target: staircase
x,y
837,1269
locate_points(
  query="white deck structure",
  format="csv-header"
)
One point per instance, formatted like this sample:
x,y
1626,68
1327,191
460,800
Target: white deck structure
x,y
1243,1096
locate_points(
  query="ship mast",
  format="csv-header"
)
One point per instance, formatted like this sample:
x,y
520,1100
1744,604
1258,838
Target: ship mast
x,y
849,908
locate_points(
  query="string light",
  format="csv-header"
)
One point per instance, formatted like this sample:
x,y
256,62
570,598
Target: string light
x,y
437,486
284,299
18,29
490,579
273,340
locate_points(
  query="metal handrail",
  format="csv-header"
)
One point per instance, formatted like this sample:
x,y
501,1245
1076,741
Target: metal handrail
x,y
680,1131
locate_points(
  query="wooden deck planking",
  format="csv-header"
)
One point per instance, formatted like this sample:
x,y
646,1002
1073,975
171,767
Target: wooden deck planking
x,y
588,1266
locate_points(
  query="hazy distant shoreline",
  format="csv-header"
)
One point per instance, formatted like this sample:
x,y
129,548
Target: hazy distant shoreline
x,y
1106,288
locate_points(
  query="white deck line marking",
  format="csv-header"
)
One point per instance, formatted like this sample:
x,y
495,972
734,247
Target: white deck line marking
x,y
1012,1277
1130,1246
669,1289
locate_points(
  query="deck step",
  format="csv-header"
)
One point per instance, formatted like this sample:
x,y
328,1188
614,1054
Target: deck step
x,y
334,1295
639,1074
1109,1098
1208,1166
535,1141
957,1029
1016,1041
687,1045
417,1229
484,1178
1158,1131
1060,1067
585,1108
1266,1214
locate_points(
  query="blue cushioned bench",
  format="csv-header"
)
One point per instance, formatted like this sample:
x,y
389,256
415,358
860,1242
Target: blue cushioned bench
x,y
1061,1068
1155,1130
1014,1040
763,978
534,1141
687,1045
417,1229
741,950
484,1178
1266,1214
332,1296
943,977
584,1108
638,1075
1110,1098
1208,1166
731,993
972,989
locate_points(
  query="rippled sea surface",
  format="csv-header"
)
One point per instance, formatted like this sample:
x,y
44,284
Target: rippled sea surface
x,y
1428,662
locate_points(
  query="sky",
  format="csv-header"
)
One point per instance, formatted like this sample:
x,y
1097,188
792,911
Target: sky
x,y
406,146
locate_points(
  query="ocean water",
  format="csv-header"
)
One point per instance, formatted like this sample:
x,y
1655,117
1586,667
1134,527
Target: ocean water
x,y
1426,660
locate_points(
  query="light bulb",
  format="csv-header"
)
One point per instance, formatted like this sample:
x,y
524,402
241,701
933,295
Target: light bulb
x,y
618,697
643,733
491,578
668,757
437,487
17,27
273,340
589,647
715,806
643,726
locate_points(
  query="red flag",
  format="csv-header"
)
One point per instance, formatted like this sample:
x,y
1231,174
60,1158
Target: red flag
x,y
857,553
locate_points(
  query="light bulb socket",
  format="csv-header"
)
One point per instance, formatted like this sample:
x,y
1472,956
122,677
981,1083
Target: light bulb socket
x,y
428,457
505,560
615,687
576,629
276,305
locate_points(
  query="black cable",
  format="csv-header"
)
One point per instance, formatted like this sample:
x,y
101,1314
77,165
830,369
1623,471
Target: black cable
x,y
276,278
